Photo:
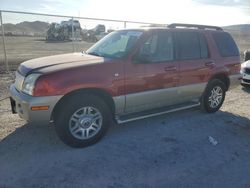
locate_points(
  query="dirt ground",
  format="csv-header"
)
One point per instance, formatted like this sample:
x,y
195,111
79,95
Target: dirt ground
x,y
20,49
172,150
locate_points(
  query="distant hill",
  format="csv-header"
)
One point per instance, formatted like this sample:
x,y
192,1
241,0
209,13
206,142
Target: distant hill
x,y
241,35
36,28
241,27
239,32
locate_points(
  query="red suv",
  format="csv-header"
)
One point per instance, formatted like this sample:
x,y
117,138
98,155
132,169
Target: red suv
x,y
128,75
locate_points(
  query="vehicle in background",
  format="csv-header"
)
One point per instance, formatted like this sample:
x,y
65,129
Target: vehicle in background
x,y
95,34
245,69
128,75
63,31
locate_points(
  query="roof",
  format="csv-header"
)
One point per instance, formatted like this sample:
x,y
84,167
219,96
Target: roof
x,y
179,26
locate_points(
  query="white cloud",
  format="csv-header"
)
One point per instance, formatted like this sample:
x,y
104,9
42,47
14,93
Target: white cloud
x,y
47,7
165,11
211,12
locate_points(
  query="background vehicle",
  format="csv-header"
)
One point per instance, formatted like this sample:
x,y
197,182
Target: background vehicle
x,y
245,70
63,31
128,75
95,34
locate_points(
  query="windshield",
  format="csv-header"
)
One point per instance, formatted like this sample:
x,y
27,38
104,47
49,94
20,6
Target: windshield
x,y
115,45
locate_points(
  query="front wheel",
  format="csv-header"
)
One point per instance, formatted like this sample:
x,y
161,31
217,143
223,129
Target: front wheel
x,y
213,96
82,121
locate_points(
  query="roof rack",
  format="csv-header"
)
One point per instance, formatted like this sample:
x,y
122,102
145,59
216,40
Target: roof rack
x,y
175,25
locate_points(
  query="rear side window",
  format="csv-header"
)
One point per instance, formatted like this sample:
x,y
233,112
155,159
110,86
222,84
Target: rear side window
x,y
226,45
158,48
189,46
203,46
165,51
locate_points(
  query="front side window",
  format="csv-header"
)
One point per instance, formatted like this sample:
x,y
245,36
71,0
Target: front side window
x,y
158,48
115,45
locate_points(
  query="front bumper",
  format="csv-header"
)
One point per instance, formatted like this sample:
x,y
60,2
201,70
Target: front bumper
x,y
235,80
245,78
22,103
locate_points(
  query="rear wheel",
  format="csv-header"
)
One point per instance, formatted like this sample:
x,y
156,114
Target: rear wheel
x,y
82,121
213,96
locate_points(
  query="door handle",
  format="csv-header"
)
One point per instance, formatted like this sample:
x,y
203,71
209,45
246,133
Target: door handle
x,y
171,68
210,64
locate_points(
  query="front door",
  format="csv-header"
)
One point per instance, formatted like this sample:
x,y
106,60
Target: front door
x,y
152,75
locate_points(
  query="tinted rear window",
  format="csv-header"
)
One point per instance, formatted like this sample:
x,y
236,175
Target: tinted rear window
x,y
226,44
188,45
203,46
191,45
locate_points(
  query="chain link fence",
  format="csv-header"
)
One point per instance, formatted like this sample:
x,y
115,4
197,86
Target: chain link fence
x,y
26,35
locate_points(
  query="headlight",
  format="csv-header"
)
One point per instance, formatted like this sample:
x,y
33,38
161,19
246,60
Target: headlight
x,y
29,83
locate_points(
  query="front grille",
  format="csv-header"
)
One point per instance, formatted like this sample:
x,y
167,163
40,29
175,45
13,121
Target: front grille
x,y
19,81
245,80
247,70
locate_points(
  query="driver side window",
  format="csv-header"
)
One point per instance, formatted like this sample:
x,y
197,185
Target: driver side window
x,y
158,48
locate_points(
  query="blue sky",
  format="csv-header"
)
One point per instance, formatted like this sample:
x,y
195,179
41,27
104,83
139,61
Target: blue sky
x,y
213,12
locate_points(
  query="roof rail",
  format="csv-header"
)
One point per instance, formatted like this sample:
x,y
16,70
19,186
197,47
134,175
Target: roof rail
x,y
175,25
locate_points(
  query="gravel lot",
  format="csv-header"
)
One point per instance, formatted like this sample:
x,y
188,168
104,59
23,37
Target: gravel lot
x,y
20,49
172,150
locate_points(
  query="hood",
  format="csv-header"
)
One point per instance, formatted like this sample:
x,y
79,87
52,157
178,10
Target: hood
x,y
58,62
246,64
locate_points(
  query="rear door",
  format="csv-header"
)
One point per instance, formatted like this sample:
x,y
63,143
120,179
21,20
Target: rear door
x,y
152,75
195,64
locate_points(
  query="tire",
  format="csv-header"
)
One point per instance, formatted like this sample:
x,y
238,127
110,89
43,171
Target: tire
x,y
82,120
213,96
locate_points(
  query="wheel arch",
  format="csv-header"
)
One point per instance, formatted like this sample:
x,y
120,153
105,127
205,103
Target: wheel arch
x,y
222,77
107,98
